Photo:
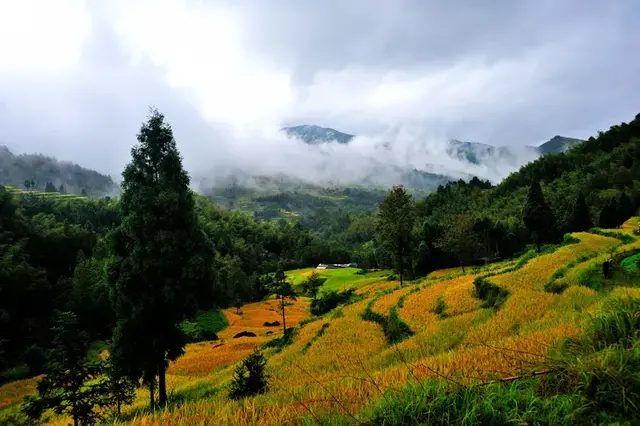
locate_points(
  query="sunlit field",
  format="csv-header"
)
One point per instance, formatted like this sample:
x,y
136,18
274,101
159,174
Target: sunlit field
x,y
339,363
338,279
49,195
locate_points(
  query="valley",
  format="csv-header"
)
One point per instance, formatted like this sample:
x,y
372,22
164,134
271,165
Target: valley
x,y
492,301
342,369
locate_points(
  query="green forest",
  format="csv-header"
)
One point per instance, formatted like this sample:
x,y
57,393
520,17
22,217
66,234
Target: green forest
x,y
97,258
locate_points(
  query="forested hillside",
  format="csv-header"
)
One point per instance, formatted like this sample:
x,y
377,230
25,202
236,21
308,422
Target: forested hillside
x,y
99,267
39,172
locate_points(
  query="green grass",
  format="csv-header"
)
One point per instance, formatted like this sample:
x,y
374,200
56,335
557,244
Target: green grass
x,y
338,278
49,195
631,263
205,326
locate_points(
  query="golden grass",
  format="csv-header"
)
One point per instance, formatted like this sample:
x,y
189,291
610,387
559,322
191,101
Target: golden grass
x,y
11,393
351,361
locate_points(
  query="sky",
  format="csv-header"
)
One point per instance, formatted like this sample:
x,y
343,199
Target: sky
x,y
77,77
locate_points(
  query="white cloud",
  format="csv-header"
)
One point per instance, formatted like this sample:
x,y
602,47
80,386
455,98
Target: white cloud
x,y
228,74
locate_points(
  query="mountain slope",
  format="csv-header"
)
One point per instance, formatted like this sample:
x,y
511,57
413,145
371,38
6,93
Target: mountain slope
x,y
558,144
314,135
16,169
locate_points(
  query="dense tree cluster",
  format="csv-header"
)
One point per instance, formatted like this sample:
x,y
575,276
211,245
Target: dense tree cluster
x,y
129,270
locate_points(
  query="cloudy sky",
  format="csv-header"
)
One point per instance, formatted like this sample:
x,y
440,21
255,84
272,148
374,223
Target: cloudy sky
x,y
77,77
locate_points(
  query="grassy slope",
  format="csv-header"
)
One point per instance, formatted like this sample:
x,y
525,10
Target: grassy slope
x,y
339,370
52,195
338,279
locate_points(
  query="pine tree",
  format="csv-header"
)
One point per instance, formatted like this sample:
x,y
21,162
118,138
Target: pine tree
x,y
625,209
161,260
249,378
83,192
579,217
609,215
537,215
49,187
62,190
71,385
283,290
394,225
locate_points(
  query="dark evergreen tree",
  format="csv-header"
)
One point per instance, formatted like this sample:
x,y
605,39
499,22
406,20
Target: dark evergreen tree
x,y
49,187
62,190
249,378
162,261
537,216
27,184
72,385
83,192
609,215
394,226
121,389
579,218
625,208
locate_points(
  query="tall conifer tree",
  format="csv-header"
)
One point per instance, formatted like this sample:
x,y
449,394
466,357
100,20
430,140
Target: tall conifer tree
x,y
161,259
537,215
394,225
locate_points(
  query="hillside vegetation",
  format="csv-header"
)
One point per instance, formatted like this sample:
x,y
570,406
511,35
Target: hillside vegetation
x,y
16,170
341,366
479,304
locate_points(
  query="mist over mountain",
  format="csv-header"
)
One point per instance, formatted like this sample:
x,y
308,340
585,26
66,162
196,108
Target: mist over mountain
x,y
40,169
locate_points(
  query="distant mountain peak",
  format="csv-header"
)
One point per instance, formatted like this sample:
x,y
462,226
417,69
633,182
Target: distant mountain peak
x,y
313,135
558,144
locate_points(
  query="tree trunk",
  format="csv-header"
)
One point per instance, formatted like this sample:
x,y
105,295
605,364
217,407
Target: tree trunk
x,y
284,319
118,405
162,384
152,400
462,264
401,271
75,421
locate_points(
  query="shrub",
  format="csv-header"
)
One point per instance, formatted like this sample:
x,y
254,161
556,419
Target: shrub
x,y
440,308
311,285
282,342
250,378
492,295
395,330
329,300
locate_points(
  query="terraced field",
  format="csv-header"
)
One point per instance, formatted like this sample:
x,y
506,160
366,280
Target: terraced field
x,y
48,195
339,363
338,279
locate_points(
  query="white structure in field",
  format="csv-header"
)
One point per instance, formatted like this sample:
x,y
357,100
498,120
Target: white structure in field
x,y
336,265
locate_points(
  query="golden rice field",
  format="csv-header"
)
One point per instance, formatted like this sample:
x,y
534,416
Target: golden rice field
x,y
340,370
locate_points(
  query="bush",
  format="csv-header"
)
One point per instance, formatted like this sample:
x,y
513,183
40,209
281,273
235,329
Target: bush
x,y
440,308
311,285
492,295
250,378
329,300
362,271
395,330
205,326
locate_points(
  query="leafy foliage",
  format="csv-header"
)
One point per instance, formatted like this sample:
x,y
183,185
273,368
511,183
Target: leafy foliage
x,y
330,300
395,221
460,239
250,378
71,385
162,261
492,295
